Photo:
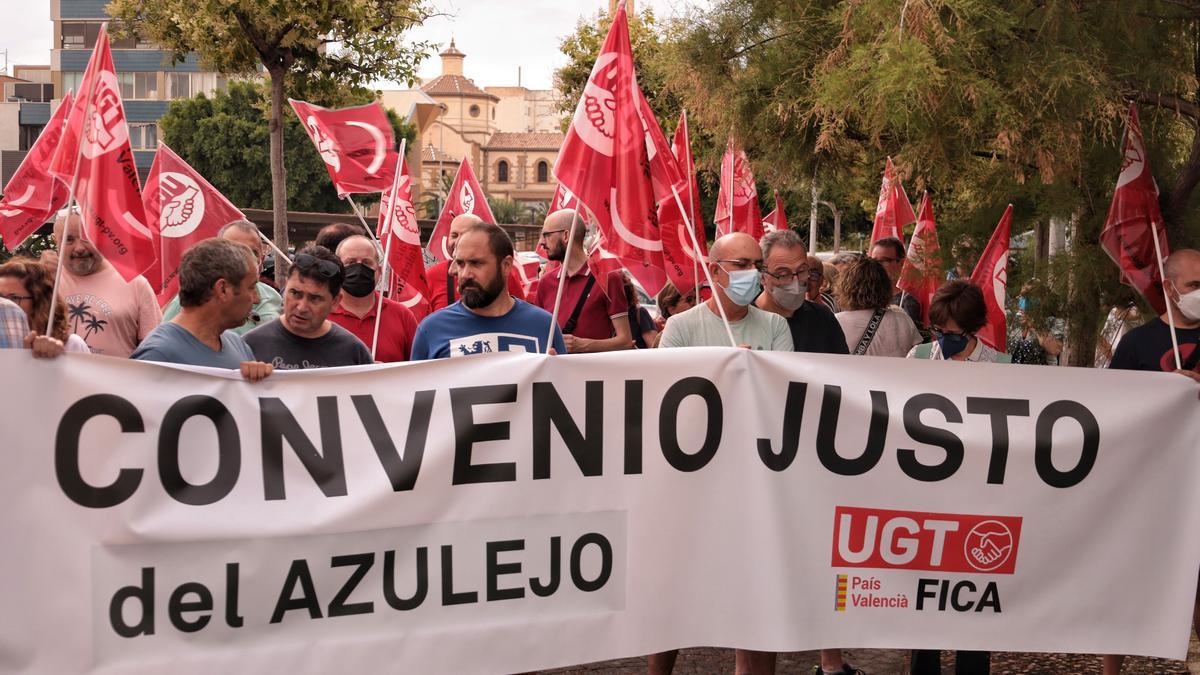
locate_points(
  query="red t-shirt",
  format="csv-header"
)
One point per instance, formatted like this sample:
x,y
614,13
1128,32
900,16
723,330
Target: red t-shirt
x,y
395,333
605,302
436,276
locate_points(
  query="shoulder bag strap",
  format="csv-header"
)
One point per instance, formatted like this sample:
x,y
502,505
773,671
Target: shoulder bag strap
x,y
569,327
449,287
869,333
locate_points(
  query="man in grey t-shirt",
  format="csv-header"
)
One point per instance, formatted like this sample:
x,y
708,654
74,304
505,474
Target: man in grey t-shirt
x,y
735,262
217,280
303,337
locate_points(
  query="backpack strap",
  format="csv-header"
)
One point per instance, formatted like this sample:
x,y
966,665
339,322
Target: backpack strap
x,y
569,327
869,334
449,287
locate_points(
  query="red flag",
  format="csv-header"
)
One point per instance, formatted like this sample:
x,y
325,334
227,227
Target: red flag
x,y
991,276
399,218
777,219
96,151
680,257
604,160
465,197
356,144
33,194
562,200
182,209
1134,219
527,266
738,195
894,210
922,271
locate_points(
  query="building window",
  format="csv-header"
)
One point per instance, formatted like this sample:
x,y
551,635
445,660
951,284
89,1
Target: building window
x,y
29,134
143,136
179,85
474,110
79,34
136,86
70,82
502,171
125,82
543,172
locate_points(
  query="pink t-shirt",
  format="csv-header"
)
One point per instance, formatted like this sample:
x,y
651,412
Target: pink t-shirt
x,y
111,315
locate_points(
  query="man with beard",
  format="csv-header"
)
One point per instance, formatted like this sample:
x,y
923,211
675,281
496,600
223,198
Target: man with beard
x,y
356,311
304,337
110,314
487,318
593,313
217,279
442,280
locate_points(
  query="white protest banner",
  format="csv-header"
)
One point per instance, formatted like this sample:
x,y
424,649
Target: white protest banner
x,y
505,513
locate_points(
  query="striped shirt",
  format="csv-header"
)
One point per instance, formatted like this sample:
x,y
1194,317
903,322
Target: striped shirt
x,y
13,326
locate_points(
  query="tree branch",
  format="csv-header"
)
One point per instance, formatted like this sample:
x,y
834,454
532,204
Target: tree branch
x,y
1174,102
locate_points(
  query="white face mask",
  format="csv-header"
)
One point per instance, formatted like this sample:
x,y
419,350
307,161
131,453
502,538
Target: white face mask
x,y
789,296
1189,304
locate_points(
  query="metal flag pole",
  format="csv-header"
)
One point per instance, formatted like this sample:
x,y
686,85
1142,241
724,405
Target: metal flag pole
x,y
708,275
359,211
387,249
562,276
1162,272
267,240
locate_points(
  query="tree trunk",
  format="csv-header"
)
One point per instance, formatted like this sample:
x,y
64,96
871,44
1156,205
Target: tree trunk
x,y
1181,193
278,174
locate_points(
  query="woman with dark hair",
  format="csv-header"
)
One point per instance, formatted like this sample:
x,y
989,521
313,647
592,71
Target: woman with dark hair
x,y
670,302
872,325
956,313
30,284
641,326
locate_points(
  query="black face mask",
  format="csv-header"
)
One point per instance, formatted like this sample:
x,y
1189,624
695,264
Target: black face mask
x,y
359,280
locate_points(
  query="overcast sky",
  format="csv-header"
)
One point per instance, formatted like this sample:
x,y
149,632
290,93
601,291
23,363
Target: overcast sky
x,y
496,36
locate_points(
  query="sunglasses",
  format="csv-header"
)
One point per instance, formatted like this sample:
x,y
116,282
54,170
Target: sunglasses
x,y
326,268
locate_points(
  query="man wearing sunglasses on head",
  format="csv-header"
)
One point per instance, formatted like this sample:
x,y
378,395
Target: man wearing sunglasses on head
x,y
303,337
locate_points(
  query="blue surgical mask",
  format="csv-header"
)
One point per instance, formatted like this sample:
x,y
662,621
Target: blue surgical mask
x,y
952,344
1022,303
743,288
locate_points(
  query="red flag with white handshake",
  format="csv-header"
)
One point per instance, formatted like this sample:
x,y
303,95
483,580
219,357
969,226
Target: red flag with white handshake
x,y
991,276
604,160
921,273
894,211
777,219
95,152
400,235
182,209
737,200
465,197
1135,220
356,144
33,194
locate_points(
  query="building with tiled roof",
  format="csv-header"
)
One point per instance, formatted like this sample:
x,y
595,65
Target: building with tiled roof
x,y
509,134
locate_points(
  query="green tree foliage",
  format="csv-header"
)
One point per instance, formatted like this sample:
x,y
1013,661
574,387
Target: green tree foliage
x,y
981,103
225,138
321,47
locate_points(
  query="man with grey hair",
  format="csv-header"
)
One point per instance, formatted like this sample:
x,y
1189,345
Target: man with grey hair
x,y
217,280
270,304
786,267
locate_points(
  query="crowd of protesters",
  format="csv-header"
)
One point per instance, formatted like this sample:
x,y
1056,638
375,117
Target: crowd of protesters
x,y
771,294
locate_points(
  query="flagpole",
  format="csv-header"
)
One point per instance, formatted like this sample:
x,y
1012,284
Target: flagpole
x,y
691,171
87,111
562,277
1162,272
696,247
358,211
387,249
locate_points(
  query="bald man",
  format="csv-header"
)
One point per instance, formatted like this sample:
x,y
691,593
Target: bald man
x,y
359,303
442,280
593,313
736,264
1149,347
111,315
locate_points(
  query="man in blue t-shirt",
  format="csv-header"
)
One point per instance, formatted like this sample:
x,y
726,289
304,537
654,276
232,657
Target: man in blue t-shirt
x,y
486,318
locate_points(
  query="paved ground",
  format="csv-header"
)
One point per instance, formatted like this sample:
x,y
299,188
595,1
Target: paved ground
x,y
703,661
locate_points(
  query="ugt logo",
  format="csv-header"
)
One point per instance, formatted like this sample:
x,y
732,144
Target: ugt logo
x,y
104,129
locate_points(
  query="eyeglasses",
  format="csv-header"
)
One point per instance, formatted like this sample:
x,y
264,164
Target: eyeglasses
x,y
938,332
547,233
326,268
786,276
743,264
17,298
